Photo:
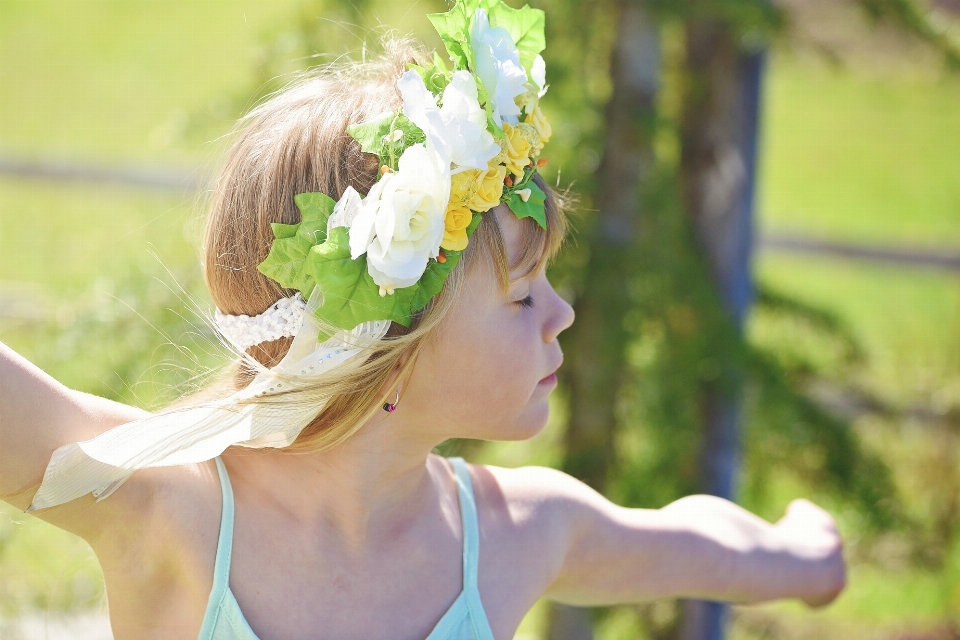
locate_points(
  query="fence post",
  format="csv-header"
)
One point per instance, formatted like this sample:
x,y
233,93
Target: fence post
x,y
719,169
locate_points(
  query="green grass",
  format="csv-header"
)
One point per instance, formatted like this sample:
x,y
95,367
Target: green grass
x,y
117,79
65,237
907,320
152,80
860,159
44,568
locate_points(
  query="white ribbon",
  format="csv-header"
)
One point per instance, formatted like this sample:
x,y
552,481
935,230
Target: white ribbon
x,y
194,434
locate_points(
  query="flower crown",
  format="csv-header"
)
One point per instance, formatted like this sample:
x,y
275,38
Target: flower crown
x,y
465,140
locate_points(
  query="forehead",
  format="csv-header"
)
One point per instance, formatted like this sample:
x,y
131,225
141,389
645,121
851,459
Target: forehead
x,y
511,229
512,233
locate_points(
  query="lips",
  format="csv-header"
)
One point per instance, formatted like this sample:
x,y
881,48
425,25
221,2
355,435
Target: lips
x,y
550,379
552,376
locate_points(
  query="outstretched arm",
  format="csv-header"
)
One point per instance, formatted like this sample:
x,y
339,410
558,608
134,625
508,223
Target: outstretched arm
x,y
38,415
697,547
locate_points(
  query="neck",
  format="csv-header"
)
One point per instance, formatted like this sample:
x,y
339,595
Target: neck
x,y
367,490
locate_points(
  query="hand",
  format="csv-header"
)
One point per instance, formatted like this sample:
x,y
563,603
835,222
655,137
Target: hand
x,y
810,535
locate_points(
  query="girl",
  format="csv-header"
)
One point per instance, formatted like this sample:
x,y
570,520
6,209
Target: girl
x,y
243,523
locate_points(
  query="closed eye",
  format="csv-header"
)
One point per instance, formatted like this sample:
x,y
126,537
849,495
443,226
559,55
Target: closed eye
x,y
526,302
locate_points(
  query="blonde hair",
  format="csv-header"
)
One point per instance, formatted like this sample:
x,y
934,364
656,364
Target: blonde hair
x,y
295,142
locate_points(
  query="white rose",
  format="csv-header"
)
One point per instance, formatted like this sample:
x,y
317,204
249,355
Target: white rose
x,y
457,131
498,66
400,223
538,73
345,210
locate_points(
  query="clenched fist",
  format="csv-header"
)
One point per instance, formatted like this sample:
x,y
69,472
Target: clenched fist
x,y
809,533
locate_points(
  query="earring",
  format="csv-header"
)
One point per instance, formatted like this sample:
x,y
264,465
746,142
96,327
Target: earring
x,y
388,406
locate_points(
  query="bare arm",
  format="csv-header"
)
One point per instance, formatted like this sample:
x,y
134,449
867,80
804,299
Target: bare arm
x,y
38,415
699,546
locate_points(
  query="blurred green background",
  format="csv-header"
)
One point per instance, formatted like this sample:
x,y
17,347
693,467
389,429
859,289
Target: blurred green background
x,y
100,283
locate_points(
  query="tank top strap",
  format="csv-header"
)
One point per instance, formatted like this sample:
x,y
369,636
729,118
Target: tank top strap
x,y
221,568
471,529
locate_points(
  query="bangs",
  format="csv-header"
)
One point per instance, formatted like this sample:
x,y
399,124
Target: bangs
x,y
538,246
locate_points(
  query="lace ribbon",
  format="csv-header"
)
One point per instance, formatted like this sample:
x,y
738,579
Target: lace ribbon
x,y
99,466
282,320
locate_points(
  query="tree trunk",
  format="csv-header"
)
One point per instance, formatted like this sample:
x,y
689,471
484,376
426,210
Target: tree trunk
x,y
718,162
596,341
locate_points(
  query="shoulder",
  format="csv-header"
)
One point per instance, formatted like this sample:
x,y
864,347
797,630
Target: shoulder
x,y
570,513
550,506
570,540
159,539
535,490
157,515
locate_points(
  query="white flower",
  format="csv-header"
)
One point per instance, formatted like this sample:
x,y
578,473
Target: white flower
x,y
400,223
498,66
457,131
535,89
345,210
538,73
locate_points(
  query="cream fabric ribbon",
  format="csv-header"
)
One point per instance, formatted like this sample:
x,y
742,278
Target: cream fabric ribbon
x,y
99,466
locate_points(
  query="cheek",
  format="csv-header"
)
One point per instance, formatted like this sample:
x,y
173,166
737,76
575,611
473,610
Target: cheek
x,y
487,370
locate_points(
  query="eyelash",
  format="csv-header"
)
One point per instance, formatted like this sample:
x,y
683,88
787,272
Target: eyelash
x,y
526,302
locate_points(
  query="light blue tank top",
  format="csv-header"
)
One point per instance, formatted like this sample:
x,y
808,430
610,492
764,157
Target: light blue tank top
x,y
464,620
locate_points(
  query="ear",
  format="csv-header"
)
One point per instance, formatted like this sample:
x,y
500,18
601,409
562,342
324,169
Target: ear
x,y
404,359
391,381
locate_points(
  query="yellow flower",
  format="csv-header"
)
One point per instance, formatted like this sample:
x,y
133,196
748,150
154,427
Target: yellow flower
x,y
463,186
529,132
518,145
501,157
528,99
489,188
456,222
539,122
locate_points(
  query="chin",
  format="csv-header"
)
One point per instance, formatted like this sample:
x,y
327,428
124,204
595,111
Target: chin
x,y
530,425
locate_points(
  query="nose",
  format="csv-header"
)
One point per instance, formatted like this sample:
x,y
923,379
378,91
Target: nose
x,y
561,318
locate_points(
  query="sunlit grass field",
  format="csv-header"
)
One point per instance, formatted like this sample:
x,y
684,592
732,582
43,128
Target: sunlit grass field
x,y
863,158
844,157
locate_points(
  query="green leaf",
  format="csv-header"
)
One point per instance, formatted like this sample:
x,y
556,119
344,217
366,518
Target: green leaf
x,y
315,209
394,145
525,26
454,29
439,64
281,230
370,133
292,242
534,206
474,223
412,134
495,130
436,77
377,136
350,296
284,264
304,256
431,282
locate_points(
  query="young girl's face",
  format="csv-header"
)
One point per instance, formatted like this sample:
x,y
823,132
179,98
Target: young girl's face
x,y
489,370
